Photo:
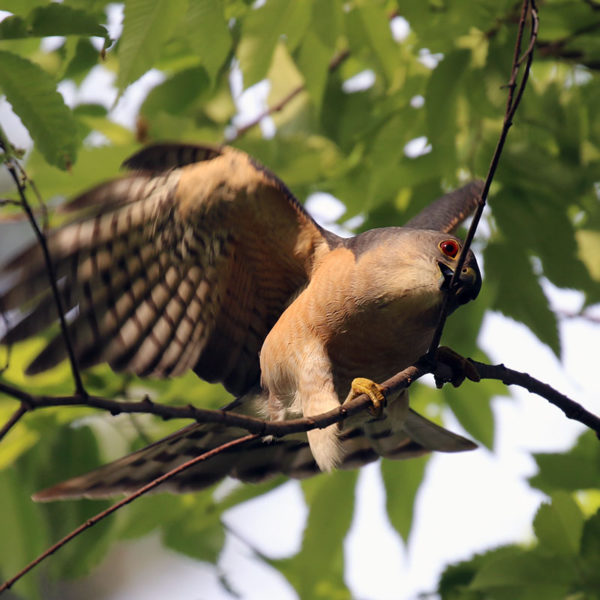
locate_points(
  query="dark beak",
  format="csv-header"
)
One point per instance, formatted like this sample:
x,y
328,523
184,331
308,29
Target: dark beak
x,y
467,286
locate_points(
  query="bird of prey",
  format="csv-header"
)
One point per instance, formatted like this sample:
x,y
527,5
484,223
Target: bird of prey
x,y
200,258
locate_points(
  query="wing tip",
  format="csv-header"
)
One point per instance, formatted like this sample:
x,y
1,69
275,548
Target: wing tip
x,y
163,156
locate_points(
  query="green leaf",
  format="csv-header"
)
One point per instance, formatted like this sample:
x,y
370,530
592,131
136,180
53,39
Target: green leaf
x,y
402,479
64,452
61,19
525,575
378,36
13,28
559,525
33,96
177,93
84,58
195,535
317,48
208,34
590,550
261,30
454,581
441,105
317,571
515,281
578,469
23,531
471,405
146,28
18,440
52,19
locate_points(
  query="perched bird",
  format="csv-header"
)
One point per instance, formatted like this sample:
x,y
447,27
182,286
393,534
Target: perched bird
x,y
200,258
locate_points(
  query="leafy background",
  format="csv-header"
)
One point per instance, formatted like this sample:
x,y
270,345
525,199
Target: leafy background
x,y
358,92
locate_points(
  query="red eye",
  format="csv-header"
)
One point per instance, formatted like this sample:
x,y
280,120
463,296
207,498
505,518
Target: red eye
x,y
449,248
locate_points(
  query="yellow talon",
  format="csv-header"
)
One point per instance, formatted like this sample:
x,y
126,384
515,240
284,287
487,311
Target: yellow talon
x,y
362,385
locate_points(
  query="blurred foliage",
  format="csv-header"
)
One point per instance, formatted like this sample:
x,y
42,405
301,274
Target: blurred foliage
x,y
363,95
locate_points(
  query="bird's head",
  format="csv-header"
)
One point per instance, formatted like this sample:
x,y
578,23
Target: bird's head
x,y
413,266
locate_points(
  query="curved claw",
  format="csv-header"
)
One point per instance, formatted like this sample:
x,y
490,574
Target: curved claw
x,y
362,385
457,368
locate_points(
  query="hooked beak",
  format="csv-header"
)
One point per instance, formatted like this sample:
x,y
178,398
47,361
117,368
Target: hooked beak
x,y
467,286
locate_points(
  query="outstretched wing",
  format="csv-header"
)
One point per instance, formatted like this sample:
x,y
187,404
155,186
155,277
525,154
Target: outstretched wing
x,y
185,263
449,211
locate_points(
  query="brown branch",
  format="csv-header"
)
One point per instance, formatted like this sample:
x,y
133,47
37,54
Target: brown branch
x,y
260,428
130,498
222,417
334,64
570,408
268,112
398,382
12,166
515,95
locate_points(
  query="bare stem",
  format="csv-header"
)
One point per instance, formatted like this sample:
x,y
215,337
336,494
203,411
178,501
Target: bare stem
x,y
130,498
515,94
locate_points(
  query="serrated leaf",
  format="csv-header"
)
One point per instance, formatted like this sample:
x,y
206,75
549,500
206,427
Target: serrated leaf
x,y
559,525
441,101
177,93
52,19
519,294
84,58
471,405
146,27
521,571
261,30
33,96
208,34
577,469
61,19
378,35
402,479
454,581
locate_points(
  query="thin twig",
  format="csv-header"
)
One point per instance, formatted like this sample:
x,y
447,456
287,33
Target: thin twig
x,y
570,408
41,238
334,64
513,102
105,513
14,419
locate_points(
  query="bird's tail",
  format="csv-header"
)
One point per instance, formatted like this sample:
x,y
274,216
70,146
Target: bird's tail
x,y
256,460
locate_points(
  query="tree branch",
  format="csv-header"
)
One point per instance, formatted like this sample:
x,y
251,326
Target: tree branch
x,y
130,498
570,408
222,417
336,61
515,94
12,166
261,427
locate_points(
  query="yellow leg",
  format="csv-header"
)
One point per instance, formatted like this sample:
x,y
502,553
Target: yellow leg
x,y
362,385
460,367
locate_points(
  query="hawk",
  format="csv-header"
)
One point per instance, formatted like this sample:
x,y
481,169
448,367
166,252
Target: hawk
x,y
200,258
